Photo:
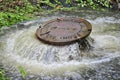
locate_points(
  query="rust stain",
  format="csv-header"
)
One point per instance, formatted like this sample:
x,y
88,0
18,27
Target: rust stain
x,y
64,30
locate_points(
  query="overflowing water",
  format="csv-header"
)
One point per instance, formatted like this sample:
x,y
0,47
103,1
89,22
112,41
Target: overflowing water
x,y
19,46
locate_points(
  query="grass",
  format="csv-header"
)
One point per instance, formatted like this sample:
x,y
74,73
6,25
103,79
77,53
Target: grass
x,y
14,11
2,75
22,71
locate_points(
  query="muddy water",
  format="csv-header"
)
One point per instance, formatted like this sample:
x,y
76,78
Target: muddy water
x,y
20,47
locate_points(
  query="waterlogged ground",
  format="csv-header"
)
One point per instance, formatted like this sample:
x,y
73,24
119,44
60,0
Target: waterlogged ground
x,y
20,47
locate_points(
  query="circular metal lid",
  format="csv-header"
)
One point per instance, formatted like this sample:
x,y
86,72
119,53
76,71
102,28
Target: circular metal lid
x,y
64,30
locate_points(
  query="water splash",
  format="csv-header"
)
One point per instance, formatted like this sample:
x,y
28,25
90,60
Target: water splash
x,y
22,47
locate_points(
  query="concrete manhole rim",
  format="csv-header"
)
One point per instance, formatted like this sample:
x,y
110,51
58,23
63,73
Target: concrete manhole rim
x,y
58,39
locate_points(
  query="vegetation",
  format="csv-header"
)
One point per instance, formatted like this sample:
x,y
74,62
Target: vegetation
x,y
14,11
22,71
95,4
2,75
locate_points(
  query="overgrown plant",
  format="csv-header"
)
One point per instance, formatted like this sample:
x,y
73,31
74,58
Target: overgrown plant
x,y
23,72
95,4
7,18
14,11
2,75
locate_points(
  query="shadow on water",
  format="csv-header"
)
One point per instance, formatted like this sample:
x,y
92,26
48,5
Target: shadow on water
x,y
20,47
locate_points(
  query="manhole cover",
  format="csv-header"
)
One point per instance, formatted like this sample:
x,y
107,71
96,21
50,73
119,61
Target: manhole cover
x,y
64,30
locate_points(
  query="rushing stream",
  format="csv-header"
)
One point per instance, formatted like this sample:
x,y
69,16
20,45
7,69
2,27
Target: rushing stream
x,y
19,46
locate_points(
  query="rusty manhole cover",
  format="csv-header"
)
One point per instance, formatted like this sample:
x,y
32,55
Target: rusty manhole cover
x,y
64,30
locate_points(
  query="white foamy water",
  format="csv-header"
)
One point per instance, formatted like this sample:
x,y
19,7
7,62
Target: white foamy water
x,y
22,48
